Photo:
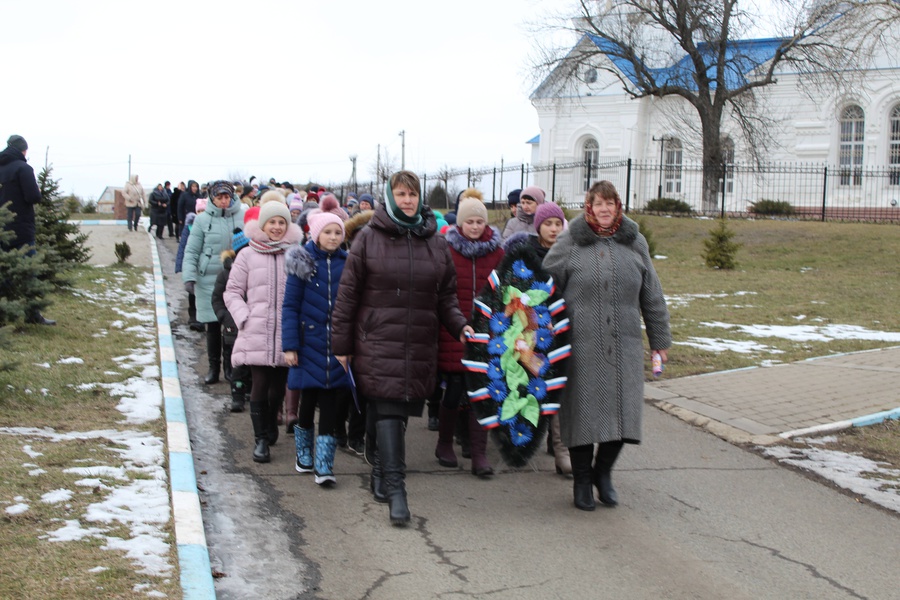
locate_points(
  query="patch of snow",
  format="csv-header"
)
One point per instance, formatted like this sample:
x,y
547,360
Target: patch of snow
x,y
720,345
71,360
36,472
43,365
16,509
57,496
98,569
810,333
660,257
846,470
32,453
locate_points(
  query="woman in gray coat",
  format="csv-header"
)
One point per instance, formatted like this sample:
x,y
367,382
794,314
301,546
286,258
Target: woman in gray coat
x,y
210,234
602,267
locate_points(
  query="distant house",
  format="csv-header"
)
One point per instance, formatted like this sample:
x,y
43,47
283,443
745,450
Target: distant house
x,y
590,117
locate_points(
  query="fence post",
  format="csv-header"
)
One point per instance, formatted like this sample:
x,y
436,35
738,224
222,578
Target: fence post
x,y
553,184
628,186
722,185
522,177
494,188
469,177
824,190
424,188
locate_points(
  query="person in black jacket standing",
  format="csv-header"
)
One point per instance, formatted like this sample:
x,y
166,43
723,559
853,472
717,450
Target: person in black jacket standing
x,y
19,192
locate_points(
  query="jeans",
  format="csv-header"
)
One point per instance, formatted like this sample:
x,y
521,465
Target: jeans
x,y
134,217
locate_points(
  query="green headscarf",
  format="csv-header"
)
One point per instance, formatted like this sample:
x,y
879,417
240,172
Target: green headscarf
x,y
398,216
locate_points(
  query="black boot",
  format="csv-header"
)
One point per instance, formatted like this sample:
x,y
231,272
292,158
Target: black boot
x,y
376,480
581,472
213,353
607,453
257,417
392,451
238,396
227,370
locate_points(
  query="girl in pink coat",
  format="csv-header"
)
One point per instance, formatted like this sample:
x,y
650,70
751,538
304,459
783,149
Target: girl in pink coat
x,y
254,296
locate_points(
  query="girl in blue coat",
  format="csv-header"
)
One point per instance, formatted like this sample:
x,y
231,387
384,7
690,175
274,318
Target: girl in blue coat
x,y
314,271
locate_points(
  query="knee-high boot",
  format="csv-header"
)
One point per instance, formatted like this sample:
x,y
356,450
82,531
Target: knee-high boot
x,y
392,450
446,426
257,417
607,453
581,472
478,444
213,352
560,452
291,402
376,479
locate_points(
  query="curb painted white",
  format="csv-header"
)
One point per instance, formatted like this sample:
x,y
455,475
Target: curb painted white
x,y
193,553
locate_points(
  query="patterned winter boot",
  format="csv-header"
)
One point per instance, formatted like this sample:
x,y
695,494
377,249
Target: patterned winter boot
x,y
324,461
303,438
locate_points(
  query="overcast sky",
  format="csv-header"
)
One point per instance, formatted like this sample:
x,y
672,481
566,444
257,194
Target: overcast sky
x,y
286,89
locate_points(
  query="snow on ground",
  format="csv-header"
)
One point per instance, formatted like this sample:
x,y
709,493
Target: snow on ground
x,y
860,475
719,344
810,333
135,488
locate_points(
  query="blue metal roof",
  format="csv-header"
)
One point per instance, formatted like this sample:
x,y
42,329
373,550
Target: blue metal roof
x,y
741,57
535,140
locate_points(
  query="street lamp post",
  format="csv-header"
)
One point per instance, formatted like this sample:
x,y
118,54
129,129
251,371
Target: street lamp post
x,y
403,149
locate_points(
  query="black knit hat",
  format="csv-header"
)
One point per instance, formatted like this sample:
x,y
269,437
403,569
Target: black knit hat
x,y
17,142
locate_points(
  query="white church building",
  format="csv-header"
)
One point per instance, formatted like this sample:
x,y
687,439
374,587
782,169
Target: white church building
x,y
839,149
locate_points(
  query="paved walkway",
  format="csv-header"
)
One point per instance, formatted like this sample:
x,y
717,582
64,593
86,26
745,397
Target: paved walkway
x,y
767,404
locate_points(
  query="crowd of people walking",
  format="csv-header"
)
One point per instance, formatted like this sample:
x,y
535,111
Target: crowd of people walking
x,y
359,311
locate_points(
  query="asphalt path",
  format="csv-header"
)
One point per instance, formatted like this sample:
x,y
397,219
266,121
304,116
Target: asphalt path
x,y
699,518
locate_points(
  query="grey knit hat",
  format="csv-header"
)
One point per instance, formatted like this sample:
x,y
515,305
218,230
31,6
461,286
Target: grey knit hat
x,y
17,142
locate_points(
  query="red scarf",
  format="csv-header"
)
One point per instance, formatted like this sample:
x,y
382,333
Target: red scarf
x,y
599,229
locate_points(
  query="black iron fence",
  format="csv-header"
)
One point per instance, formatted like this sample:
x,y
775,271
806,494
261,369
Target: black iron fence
x,y
804,191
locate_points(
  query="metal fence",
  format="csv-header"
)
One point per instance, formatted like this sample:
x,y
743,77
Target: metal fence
x,y
812,191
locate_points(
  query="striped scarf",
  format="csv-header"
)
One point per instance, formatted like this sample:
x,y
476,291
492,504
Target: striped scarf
x,y
270,247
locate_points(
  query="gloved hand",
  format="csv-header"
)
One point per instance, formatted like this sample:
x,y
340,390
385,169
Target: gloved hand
x,y
189,286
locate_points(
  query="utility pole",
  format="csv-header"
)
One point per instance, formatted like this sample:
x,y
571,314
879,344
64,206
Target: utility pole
x,y
129,167
403,150
378,171
353,174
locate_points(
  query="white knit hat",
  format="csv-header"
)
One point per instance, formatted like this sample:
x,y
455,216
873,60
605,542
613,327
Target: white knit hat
x,y
270,210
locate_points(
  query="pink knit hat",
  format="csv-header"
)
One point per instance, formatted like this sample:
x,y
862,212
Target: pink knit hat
x,y
200,205
318,221
533,192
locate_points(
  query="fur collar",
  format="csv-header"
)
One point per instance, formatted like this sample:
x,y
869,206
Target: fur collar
x,y
227,257
489,241
583,235
294,234
299,263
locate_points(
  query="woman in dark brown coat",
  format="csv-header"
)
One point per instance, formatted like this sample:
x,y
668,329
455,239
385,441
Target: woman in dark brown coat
x,y
397,289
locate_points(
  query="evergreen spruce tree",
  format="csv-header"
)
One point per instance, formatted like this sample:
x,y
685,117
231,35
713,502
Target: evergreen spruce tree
x,y
62,242
23,278
720,250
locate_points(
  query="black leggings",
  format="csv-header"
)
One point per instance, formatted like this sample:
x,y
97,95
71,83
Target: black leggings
x,y
455,395
327,401
268,385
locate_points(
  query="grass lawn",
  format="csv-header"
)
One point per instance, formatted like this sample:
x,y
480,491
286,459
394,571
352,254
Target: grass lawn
x,y
78,476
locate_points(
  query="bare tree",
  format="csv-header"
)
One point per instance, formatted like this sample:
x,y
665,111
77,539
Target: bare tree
x,y
382,171
687,49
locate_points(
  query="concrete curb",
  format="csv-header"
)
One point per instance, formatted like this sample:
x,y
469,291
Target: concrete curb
x,y
193,554
728,433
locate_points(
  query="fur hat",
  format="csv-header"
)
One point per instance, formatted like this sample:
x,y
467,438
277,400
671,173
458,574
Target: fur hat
x,y
238,240
270,210
471,207
200,205
533,192
546,211
271,196
17,142
331,205
318,221
512,198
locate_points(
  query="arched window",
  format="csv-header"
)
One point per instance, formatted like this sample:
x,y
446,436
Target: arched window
x,y
894,147
591,154
672,157
853,124
728,160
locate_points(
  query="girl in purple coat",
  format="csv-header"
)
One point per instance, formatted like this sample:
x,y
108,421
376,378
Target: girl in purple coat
x,y
254,296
